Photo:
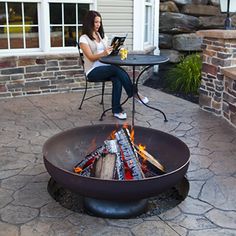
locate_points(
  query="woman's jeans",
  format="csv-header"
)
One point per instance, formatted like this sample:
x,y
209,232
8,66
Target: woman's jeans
x,y
118,77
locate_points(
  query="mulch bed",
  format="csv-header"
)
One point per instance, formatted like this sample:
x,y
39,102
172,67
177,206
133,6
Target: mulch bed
x,y
157,81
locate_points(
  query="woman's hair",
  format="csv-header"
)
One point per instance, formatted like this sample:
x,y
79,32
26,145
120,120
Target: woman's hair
x,y
88,24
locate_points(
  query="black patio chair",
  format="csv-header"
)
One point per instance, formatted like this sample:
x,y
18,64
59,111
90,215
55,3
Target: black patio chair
x,y
84,98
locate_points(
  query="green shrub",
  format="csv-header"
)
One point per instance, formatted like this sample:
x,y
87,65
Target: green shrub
x,y
185,77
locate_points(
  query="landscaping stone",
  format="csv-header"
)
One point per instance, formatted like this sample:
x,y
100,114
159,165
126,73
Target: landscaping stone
x,y
187,42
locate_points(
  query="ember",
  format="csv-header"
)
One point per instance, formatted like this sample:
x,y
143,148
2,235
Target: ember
x,y
120,158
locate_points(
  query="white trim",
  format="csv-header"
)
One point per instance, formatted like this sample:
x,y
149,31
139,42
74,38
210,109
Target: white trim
x,y
138,25
138,22
71,1
23,25
20,1
156,27
38,52
44,29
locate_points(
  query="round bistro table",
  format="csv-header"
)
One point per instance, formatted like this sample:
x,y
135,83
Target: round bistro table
x,y
134,60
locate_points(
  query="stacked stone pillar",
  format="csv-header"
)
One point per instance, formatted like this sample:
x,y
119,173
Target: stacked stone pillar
x,y
219,53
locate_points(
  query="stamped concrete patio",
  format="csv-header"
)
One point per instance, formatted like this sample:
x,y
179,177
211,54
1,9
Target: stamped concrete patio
x,y
26,209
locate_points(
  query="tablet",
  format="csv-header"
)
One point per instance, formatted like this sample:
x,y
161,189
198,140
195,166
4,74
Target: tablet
x,y
116,43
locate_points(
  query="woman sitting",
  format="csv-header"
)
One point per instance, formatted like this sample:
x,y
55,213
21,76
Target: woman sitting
x,y
94,45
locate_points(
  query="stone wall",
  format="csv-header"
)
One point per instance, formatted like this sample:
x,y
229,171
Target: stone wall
x,y
24,75
36,75
179,21
218,83
229,95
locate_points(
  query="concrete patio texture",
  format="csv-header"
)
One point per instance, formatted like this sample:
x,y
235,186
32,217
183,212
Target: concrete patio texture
x,y
26,208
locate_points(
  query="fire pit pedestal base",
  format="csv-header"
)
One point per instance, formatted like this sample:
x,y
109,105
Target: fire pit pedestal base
x,y
115,210
119,209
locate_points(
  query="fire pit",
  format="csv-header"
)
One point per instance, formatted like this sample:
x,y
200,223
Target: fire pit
x,y
114,198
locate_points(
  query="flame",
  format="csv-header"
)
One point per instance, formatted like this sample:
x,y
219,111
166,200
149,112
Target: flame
x,y
132,135
140,149
112,135
77,170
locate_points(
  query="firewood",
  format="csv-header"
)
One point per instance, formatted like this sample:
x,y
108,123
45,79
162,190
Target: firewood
x,y
105,166
113,148
150,158
85,166
129,153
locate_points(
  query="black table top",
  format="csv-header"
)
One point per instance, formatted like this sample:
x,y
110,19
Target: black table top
x,y
135,60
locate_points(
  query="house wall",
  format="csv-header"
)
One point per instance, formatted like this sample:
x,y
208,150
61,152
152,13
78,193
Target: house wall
x,y
56,73
117,18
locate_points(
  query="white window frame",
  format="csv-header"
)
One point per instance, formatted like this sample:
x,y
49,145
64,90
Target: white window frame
x,y
44,28
139,24
148,36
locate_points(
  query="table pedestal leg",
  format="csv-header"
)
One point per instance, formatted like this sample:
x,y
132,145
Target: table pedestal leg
x,y
134,91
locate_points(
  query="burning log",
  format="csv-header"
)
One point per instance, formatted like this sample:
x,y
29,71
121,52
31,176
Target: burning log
x,y
105,167
86,165
143,153
113,147
129,154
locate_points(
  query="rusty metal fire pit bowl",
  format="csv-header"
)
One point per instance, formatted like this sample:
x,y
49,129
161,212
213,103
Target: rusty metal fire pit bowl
x,y
114,198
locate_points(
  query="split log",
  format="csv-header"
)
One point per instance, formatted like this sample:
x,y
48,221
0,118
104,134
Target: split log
x,y
129,153
113,148
85,166
105,167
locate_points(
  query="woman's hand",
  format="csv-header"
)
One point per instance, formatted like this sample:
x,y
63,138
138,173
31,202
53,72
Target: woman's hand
x,y
94,57
108,51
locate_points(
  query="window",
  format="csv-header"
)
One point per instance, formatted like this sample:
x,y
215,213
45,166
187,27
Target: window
x,y
148,22
18,25
66,23
40,25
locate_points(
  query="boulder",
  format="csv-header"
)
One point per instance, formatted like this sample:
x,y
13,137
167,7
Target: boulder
x,y
177,23
165,41
173,55
215,22
200,10
182,2
168,6
202,2
187,42
214,2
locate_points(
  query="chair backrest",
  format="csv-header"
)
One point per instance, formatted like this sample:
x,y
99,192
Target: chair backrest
x,y
81,55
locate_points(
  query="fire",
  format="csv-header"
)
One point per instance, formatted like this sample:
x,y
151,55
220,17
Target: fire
x,y
125,126
128,172
141,148
77,170
125,160
132,135
112,135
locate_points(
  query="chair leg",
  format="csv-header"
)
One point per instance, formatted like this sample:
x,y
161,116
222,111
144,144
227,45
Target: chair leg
x,y
102,100
103,89
85,91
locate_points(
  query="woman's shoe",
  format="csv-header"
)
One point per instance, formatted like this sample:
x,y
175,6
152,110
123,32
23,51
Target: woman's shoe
x,y
144,100
120,116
